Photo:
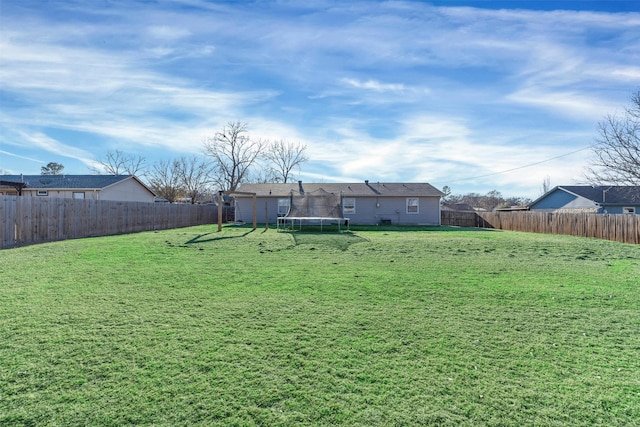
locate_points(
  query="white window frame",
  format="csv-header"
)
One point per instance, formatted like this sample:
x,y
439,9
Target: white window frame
x,y
42,193
413,205
78,195
284,205
629,209
349,205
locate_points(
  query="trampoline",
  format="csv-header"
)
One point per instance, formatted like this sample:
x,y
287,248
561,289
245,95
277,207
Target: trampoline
x,y
316,207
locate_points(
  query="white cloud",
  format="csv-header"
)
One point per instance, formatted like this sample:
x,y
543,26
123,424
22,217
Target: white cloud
x,y
627,73
374,85
164,32
568,104
445,151
52,146
7,153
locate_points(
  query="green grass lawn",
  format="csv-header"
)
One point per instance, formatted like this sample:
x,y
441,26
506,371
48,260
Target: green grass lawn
x,y
388,327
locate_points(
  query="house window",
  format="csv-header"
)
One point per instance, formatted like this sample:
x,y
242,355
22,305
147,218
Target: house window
x,y
413,205
42,193
283,206
78,194
629,210
349,205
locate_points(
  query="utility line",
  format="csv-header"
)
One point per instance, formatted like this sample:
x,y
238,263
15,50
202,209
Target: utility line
x,y
521,167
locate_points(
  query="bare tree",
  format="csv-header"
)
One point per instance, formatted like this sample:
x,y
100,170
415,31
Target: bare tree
x,y
164,180
616,159
447,192
233,153
546,184
119,163
52,168
490,201
194,176
283,158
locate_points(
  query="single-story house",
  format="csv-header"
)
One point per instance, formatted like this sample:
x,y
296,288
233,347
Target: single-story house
x,y
365,203
125,188
587,198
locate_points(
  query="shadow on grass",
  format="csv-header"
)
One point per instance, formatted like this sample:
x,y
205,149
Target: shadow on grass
x,y
201,237
456,228
430,228
340,241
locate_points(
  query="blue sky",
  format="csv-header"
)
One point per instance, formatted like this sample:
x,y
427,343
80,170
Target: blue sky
x,y
476,95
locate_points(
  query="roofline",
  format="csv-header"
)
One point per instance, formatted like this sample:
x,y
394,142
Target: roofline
x,y
575,194
61,189
344,186
137,179
280,196
603,203
125,178
558,187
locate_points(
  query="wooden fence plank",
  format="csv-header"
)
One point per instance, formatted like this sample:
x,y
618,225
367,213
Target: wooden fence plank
x,y
29,220
623,228
7,221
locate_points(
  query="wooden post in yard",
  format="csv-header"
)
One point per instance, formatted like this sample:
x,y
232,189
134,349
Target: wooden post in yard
x,y
255,211
220,208
266,215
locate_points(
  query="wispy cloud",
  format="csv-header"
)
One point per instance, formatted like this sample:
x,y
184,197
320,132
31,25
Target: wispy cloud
x,y
374,85
168,33
10,154
46,144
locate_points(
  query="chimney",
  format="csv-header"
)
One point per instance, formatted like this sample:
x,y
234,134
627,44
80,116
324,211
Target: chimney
x,y
366,181
300,189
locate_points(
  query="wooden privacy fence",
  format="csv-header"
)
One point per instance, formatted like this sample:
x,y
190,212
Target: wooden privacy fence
x,y
29,220
463,219
623,228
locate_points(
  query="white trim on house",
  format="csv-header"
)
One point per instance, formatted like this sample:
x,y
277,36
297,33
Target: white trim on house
x,y
413,205
348,205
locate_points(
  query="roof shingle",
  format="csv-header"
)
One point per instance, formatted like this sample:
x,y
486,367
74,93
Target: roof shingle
x,y
363,189
49,182
606,194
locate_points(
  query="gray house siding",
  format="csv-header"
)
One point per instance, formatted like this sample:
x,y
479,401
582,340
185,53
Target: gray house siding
x,y
376,210
369,210
264,206
562,200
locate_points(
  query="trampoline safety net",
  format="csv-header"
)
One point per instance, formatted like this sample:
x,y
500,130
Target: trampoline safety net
x,y
318,205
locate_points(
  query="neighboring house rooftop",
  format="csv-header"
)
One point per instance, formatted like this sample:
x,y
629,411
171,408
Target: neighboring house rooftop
x,y
50,182
602,195
362,189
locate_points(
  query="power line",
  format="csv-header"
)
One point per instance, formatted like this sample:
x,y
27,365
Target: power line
x,y
522,167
